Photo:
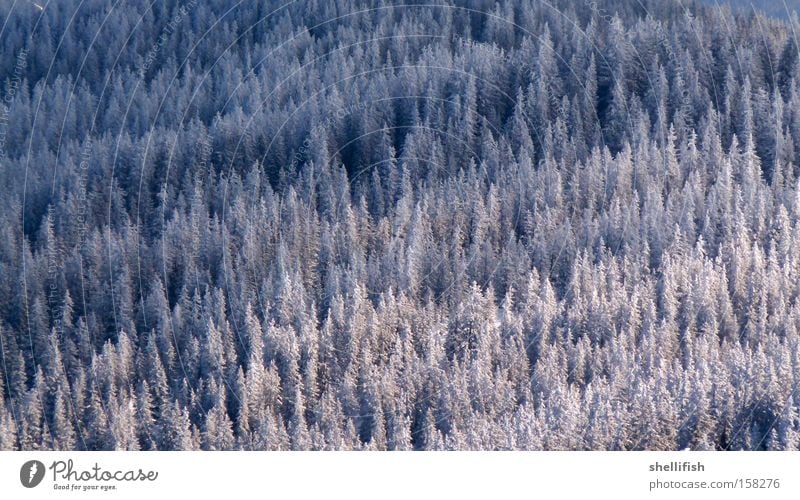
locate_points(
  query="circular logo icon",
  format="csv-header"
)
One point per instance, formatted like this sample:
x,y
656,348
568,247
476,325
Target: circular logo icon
x,y
31,473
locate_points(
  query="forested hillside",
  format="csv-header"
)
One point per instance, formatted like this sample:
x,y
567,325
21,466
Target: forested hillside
x,y
350,224
778,8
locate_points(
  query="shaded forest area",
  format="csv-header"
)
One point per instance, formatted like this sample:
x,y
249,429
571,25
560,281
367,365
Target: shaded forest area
x,y
779,8
357,225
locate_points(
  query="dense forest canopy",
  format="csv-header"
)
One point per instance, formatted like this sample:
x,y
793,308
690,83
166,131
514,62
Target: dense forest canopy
x,y
347,224
778,8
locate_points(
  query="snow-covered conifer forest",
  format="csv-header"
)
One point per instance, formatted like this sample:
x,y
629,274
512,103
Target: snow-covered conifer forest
x,y
391,225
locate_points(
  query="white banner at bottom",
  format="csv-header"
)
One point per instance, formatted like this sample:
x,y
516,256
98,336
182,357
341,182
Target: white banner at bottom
x,y
378,475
